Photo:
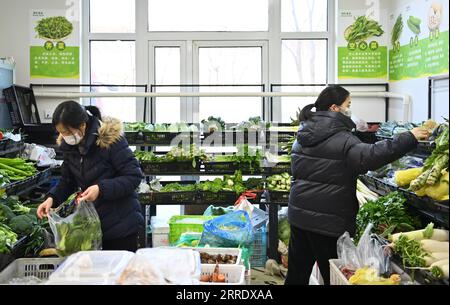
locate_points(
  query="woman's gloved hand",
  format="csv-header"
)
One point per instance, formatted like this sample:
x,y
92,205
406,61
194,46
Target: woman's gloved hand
x,y
90,194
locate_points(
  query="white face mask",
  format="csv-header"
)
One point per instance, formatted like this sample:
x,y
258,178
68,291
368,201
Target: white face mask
x,y
346,111
74,139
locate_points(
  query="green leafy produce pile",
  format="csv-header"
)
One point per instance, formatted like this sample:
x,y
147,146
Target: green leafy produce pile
x,y
213,124
231,183
176,154
147,127
246,156
22,220
16,169
7,239
54,27
280,183
388,214
362,29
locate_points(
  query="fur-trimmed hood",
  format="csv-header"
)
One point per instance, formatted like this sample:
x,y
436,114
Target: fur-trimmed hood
x,y
109,132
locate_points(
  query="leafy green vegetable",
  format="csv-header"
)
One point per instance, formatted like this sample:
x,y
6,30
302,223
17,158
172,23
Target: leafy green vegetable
x,y
7,239
284,230
387,211
362,29
23,224
410,251
6,214
54,27
16,169
213,124
82,234
397,30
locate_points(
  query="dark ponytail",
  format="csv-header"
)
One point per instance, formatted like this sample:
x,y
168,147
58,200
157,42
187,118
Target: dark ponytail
x,y
70,114
94,111
333,94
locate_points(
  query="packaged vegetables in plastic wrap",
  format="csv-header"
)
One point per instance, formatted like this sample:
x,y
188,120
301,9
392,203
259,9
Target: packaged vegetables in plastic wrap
x,y
80,231
162,266
367,263
231,230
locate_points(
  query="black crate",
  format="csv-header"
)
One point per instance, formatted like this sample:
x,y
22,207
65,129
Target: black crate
x,y
25,185
8,147
168,198
170,168
229,168
279,197
159,138
277,169
222,197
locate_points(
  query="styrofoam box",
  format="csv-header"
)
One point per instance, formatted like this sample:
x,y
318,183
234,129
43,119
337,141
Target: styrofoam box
x,y
234,274
91,267
223,251
160,232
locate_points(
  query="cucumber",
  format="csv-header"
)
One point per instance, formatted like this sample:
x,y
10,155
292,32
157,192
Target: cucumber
x,y
413,27
416,21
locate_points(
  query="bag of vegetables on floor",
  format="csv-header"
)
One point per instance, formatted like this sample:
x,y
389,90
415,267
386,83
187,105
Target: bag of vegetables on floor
x,y
80,231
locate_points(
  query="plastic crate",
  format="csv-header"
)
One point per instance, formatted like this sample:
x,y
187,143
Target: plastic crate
x,y
223,168
158,138
279,197
41,268
277,169
168,198
222,251
234,274
177,227
259,247
336,276
222,197
169,168
8,147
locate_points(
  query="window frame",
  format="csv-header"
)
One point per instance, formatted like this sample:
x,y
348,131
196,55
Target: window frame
x,y
144,39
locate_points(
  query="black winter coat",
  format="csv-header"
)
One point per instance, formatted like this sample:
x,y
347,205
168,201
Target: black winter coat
x,y
104,158
326,161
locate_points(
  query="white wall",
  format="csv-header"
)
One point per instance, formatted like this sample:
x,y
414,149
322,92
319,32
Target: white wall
x,y
15,41
416,88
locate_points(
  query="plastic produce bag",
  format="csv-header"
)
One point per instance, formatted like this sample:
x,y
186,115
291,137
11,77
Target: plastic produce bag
x,y
369,253
242,204
228,231
163,266
189,239
217,211
80,231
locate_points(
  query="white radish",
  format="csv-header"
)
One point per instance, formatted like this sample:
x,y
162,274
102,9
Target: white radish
x,y
445,271
432,246
435,257
438,235
440,269
440,263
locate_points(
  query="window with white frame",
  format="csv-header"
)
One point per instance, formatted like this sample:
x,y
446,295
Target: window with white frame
x,y
118,34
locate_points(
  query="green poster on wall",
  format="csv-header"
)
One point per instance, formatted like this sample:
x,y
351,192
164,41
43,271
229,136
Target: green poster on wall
x,y
420,58
366,63
362,43
54,49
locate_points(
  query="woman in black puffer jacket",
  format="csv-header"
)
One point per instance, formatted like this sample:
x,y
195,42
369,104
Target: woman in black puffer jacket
x,y
326,161
98,160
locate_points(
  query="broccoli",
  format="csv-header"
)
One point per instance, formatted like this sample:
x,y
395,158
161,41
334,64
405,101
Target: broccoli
x,y
6,214
22,224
